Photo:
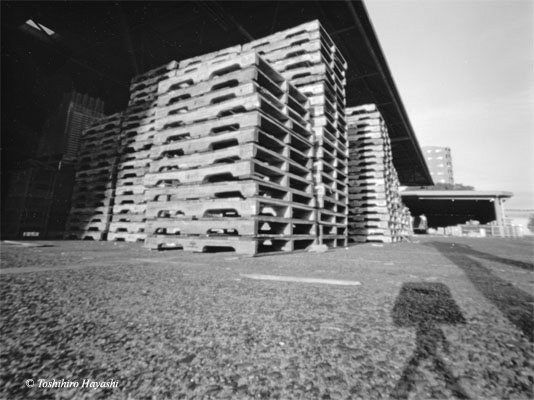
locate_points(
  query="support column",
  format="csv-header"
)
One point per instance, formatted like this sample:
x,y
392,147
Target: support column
x,y
499,215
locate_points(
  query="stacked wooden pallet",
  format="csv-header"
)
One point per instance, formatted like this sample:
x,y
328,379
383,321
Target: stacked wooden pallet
x,y
244,147
376,212
137,132
231,160
94,189
309,59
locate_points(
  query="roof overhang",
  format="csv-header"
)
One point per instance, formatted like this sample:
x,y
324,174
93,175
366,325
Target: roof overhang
x,y
456,194
452,207
113,41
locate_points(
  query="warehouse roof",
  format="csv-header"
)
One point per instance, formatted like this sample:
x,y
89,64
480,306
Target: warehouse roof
x,y
102,45
456,194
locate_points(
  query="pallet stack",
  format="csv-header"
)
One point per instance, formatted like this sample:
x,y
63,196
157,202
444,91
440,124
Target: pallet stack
x,y
376,212
94,188
309,59
137,132
246,148
231,163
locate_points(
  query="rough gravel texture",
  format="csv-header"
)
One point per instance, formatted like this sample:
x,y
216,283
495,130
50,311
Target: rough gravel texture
x,y
434,318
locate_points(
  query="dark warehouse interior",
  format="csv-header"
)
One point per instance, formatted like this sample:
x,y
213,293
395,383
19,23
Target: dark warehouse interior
x,y
97,47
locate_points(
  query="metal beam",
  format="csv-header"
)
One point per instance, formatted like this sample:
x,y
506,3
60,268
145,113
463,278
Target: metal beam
x,y
275,18
343,30
364,76
127,35
399,139
222,11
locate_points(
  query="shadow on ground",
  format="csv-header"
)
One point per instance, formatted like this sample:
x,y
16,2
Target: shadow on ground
x,y
425,306
516,305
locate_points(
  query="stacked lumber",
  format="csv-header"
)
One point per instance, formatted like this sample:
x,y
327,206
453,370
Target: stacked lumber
x,y
96,174
309,59
376,212
231,159
136,136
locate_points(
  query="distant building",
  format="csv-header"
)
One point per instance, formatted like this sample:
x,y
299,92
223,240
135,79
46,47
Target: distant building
x,y
439,163
62,131
40,190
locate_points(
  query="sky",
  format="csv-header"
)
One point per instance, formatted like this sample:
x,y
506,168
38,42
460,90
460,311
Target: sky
x,y
465,72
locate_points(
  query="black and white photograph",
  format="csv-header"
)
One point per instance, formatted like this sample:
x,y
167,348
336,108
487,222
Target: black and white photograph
x,y
267,199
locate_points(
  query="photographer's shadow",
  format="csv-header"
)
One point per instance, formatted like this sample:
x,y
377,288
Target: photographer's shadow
x,y
425,306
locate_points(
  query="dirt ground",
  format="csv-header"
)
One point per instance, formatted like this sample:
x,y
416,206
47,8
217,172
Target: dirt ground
x,y
433,318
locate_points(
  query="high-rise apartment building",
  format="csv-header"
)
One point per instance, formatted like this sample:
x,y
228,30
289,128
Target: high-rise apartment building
x,y
439,163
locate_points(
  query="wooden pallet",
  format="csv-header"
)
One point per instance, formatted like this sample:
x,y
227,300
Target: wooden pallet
x,y
289,145
233,154
256,101
129,199
134,163
126,237
241,245
254,119
219,97
268,79
210,70
147,96
97,150
368,203
311,44
227,190
125,217
245,169
129,209
367,223
95,157
238,207
154,73
127,227
141,132
306,60
104,124
215,55
223,227
371,239
84,235
362,143
307,28
335,241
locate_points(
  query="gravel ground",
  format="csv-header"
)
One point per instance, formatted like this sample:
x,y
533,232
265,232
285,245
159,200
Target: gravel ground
x,y
434,318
